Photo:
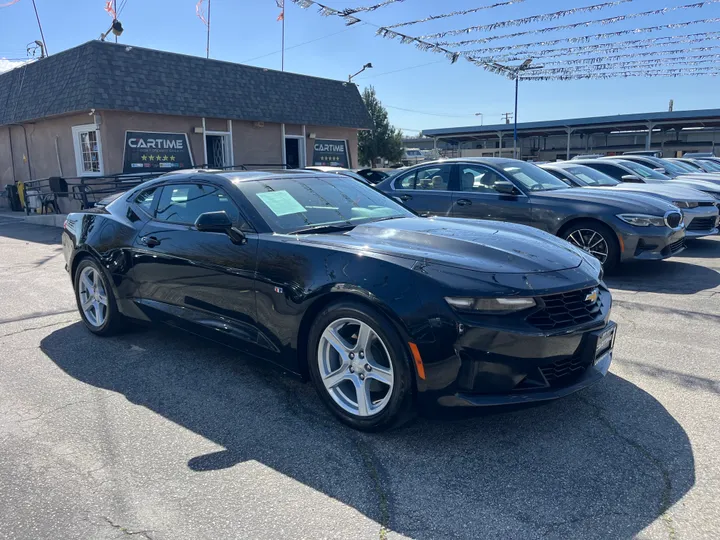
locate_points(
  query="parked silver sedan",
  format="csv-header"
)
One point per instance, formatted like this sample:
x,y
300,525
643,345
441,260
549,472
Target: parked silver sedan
x,y
700,210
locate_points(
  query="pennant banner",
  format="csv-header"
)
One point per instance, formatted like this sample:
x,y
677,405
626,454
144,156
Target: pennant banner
x,y
691,72
615,46
621,57
457,13
583,39
550,16
604,66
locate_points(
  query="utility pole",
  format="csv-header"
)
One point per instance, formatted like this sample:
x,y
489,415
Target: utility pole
x,y
507,116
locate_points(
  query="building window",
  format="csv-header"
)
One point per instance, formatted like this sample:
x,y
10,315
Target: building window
x,y
88,150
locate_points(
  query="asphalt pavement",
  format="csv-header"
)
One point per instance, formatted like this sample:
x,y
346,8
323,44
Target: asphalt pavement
x,y
155,434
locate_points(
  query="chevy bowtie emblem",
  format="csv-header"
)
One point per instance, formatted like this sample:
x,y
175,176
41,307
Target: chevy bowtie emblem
x,y
592,297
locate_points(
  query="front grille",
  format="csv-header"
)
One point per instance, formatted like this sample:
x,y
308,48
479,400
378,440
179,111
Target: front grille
x,y
565,310
704,203
701,224
673,219
562,372
677,246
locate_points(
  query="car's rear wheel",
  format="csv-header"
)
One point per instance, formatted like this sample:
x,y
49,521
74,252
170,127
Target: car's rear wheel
x,y
597,240
95,300
359,367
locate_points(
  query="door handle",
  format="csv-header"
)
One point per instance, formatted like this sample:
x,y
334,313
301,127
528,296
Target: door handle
x,y
150,241
405,197
464,202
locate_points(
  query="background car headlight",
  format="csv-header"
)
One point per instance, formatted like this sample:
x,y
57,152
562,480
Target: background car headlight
x,y
490,305
685,204
643,220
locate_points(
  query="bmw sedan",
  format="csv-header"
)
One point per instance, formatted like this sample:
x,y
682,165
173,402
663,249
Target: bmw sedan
x,y
704,220
382,310
674,172
613,229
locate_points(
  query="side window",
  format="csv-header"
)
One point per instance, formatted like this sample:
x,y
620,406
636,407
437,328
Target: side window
x,y
145,199
479,179
610,170
436,178
560,176
183,203
406,181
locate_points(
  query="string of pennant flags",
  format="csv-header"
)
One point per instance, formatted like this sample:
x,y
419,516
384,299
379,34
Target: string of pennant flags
x,y
488,57
692,72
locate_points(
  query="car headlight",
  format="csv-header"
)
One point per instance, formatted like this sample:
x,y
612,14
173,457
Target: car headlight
x,y
685,204
643,220
490,305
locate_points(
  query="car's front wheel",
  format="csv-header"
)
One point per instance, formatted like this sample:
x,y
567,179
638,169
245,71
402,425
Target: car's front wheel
x,y
95,299
359,367
595,239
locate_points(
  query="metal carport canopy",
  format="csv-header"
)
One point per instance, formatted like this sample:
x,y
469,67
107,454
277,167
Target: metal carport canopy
x,y
597,124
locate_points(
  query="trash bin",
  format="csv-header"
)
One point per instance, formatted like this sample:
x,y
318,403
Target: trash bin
x,y
13,198
32,197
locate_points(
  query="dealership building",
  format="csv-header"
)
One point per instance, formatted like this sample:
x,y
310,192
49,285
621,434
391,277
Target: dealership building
x,y
104,108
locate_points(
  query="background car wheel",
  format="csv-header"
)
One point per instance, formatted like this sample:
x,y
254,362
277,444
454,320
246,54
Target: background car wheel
x,y
596,239
360,368
95,300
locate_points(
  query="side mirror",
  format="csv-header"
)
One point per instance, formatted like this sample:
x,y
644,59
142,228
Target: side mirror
x,y
506,188
219,222
631,178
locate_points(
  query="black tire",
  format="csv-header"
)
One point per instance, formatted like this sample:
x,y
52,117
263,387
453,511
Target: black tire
x,y
114,321
399,409
613,256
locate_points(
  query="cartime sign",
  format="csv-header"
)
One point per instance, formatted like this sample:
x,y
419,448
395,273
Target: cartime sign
x,y
155,152
331,153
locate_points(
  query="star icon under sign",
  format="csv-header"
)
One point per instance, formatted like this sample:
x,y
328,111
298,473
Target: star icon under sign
x,y
172,158
152,158
143,157
165,158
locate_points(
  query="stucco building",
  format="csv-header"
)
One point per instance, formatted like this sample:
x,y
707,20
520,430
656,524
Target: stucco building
x,y
104,108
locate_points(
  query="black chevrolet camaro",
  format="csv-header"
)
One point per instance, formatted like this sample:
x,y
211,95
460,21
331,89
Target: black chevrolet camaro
x,y
384,311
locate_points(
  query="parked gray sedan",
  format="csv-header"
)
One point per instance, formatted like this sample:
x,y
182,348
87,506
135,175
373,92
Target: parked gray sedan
x,y
612,228
699,209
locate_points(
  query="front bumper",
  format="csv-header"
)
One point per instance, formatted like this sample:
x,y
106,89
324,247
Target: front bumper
x,y
651,243
701,221
490,366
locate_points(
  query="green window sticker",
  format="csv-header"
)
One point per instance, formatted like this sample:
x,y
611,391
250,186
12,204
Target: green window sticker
x,y
281,203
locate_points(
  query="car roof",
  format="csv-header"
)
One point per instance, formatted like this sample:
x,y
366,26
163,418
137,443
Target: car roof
x,y
234,177
618,161
496,161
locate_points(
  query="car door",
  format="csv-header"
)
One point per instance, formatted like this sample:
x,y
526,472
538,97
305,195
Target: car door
x,y
425,189
200,278
475,196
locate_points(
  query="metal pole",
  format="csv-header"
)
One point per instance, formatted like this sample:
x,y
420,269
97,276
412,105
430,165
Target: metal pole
x,y
115,11
515,137
569,132
42,35
282,65
207,49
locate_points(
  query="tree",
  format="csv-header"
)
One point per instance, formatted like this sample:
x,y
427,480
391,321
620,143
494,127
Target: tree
x,y
384,140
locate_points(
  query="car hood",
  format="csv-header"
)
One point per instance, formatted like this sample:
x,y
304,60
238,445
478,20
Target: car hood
x,y
670,192
482,246
624,202
696,183
711,178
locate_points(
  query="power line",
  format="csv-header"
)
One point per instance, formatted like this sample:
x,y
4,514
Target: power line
x,y
299,44
372,76
429,113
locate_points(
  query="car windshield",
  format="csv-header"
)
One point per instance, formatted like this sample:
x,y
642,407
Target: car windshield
x,y
532,177
643,171
591,177
709,165
669,166
300,203
687,167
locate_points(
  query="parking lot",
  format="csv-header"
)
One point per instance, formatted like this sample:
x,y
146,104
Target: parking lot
x,y
155,434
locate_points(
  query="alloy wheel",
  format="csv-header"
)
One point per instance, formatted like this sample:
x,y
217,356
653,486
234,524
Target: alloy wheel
x,y
590,241
355,367
93,297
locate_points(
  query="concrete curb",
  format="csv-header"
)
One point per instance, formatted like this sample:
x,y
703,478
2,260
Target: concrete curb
x,y
46,220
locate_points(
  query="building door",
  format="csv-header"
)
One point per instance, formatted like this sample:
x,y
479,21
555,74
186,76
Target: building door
x,y
218,150
294,155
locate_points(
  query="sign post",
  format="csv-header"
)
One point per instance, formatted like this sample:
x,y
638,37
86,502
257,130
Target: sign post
x,y
147,151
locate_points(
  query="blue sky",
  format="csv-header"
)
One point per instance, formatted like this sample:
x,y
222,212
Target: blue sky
x,y
246,31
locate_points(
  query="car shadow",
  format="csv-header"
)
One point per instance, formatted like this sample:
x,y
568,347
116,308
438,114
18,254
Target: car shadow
x,y
28,232
605,463
703,248
668,277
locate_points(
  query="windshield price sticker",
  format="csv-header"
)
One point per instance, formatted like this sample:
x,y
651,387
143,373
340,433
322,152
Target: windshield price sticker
x,y
281,203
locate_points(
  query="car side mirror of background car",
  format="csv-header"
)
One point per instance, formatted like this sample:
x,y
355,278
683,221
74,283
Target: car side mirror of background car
x,y
506,188
219,222
630,178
